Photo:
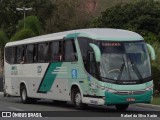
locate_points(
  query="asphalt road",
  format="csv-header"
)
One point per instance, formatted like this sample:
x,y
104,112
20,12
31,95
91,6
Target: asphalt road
x,y
14,104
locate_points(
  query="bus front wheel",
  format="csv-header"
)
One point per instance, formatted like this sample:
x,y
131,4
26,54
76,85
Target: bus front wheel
x,y
121,107
77,99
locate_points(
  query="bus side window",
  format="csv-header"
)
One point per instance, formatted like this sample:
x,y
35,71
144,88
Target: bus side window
x,y
29,53
10,55
13,56
20,54
84,47
91,64
41,47
70,53
48,52
46,47
55,50
35,53
44,52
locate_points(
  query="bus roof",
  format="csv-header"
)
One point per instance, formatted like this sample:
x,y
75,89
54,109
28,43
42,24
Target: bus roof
x,y
94,33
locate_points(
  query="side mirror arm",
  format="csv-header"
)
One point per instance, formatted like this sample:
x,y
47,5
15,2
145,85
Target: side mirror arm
x,y
152,52
96,51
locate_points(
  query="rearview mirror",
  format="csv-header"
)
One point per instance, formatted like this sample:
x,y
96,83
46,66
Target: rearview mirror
x,y
152,52
96,51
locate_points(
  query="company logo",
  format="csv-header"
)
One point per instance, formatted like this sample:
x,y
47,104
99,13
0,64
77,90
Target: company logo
x,y
14,70
74,73
39,69
88,78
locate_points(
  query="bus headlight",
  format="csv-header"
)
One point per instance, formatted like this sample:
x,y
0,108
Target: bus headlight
x,y
149,88
110,90
106,89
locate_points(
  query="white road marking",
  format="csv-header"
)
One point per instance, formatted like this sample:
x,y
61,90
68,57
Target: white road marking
x,y
15,108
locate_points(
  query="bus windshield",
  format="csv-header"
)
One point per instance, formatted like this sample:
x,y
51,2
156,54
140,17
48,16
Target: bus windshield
x,y
124,61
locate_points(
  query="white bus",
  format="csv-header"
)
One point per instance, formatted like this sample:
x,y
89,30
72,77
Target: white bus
x,y
88,66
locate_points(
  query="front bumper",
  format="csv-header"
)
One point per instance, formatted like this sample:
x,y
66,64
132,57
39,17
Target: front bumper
x,y
112,99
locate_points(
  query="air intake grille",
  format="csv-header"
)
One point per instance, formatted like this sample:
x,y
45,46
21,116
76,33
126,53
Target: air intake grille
x,y
130,92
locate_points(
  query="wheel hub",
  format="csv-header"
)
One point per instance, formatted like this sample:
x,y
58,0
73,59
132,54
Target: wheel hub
x,y
23,94
78,98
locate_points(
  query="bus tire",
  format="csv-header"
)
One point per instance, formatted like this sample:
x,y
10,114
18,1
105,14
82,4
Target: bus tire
x,y
4,94
121,107
77,99
23,92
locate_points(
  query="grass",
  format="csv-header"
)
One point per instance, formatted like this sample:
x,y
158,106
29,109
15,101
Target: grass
x,y
156,100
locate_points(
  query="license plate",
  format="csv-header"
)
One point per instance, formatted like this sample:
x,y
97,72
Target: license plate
x,y
130,99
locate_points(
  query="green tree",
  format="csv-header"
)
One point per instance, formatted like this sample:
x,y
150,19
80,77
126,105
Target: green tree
x,y
155,76
32,23
3,41
142,16
23,34
70,14
10,16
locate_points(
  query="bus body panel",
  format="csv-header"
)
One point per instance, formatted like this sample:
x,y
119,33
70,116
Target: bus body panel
x,y
54,80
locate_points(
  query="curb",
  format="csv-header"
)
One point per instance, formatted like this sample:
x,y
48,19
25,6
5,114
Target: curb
x,y
146,105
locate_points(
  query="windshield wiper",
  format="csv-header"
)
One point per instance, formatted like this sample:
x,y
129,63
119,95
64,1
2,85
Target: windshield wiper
x,y
135,68
121,69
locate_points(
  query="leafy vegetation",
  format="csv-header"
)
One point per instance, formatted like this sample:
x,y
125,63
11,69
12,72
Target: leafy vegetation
x,y
10,16
23,34
69,14
31,22
156,100
3,41
104,4
140,16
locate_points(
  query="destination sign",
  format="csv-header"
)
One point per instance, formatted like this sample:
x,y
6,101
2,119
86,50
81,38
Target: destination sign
x,y
111,44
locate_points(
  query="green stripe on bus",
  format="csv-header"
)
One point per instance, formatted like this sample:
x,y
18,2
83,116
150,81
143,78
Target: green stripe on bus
x,y
49,78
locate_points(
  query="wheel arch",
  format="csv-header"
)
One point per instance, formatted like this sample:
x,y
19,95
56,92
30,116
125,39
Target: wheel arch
x,y
22,83
75,85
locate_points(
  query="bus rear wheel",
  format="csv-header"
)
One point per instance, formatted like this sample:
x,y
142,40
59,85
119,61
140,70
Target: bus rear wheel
x,y
121,107
77,99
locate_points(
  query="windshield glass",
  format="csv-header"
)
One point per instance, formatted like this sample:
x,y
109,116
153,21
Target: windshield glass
x,y
124,61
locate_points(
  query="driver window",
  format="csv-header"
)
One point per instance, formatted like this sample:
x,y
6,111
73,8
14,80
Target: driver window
x,y
92,64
